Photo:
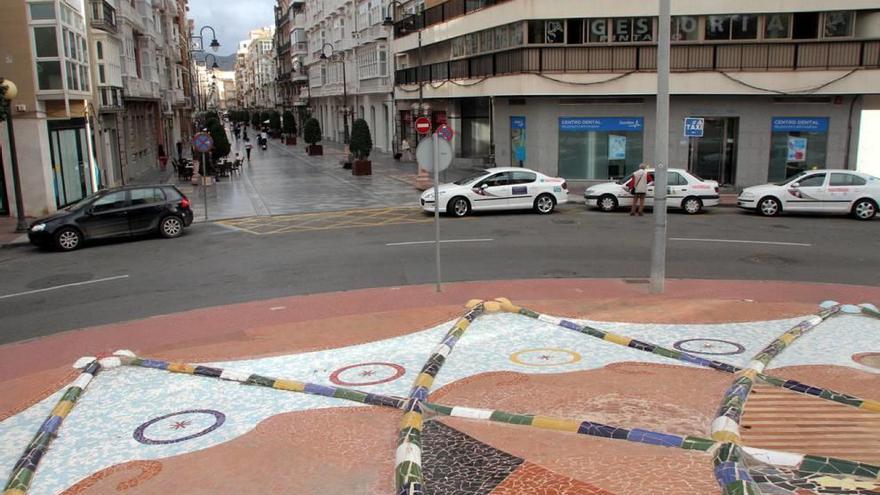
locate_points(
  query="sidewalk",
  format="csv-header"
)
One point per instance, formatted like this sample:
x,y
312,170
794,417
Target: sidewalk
x,y
8,236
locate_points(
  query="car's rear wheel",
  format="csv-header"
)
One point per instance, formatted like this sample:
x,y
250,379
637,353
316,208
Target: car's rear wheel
x,y
769,207
68,239
545,204
692,206
458,206
864,209
607,203
171,226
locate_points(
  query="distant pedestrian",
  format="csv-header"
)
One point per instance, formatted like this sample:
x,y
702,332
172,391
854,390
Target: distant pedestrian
x,y
405,152
247,150
639,189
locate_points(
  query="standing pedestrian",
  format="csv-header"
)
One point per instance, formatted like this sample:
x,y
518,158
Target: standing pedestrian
x,y
247,150
639,188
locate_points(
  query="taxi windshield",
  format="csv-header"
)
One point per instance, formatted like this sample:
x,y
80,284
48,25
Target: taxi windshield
x,y
470,178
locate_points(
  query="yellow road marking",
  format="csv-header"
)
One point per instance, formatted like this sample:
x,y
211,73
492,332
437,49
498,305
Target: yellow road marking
x,y
330,220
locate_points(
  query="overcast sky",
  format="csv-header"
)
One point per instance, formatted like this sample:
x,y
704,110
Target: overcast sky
x,y
230,19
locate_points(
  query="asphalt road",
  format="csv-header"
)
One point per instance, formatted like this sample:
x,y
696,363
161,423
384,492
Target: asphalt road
x,y
213,265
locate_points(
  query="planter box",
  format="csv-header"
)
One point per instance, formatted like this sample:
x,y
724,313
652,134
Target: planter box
x,y
290,140
362,167
316,150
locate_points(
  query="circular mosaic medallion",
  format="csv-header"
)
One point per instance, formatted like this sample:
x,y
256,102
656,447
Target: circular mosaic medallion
x,y
367,374
179,426
712,347
545,357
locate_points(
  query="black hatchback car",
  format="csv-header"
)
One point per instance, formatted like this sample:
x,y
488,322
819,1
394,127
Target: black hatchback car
x,y
116,212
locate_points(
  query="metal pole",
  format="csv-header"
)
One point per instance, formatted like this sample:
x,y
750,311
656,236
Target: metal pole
x,y
344,99
661,153
419,74
93,176
435,146
205,183
20,223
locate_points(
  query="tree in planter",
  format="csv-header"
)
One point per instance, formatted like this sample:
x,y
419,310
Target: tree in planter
x,y
255,120
289,127
264,116
361,145
312,136
275,122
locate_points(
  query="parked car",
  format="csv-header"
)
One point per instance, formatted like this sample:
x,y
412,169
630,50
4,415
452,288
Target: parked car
x,y
501,188
116,212
818,191
685,190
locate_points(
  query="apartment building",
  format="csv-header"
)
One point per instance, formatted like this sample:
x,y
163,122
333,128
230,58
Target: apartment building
x,y
44,52
567,87
255,70
348,67
291,49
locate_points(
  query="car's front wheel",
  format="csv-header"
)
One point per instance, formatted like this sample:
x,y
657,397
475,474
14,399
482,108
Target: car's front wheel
x,y
545,204
692,206
607,203
68,239
864,209
769,207
171,226
458,206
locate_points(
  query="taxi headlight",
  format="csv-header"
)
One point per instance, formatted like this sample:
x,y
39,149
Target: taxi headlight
x,y
747,195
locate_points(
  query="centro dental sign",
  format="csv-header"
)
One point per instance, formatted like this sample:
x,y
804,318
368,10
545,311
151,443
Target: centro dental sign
x,y
588,124
800,124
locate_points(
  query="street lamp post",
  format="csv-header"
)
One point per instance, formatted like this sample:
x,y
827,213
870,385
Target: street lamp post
x,y
333,52
12,92
200,47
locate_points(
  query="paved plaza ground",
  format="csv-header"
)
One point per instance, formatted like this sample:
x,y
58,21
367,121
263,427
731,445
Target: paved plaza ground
x,y
306,394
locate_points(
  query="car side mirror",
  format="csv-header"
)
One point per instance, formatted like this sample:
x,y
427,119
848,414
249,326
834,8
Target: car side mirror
x,y
484,186
796,184
90,210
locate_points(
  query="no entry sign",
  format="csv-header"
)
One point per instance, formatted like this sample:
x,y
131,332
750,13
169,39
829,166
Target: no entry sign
x,y
423,125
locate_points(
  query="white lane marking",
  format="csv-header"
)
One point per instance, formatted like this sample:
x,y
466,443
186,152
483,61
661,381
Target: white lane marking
x,y
432,242
107,279
277,308
735,241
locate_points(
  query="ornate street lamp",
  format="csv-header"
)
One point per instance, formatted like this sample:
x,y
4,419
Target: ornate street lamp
x,y
12,92
334,52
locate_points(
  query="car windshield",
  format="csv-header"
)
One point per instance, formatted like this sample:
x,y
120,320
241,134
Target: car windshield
x,y
470,178
791,179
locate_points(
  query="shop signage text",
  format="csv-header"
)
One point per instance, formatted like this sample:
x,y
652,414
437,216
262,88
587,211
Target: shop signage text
x,y
800,124
586,124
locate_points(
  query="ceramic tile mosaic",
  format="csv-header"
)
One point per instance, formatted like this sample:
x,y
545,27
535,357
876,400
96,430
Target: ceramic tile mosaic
x,y
148,409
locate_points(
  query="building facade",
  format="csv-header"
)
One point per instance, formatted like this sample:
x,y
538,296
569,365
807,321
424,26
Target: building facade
x,y
44,52
567,87
291,48
255,70
349,68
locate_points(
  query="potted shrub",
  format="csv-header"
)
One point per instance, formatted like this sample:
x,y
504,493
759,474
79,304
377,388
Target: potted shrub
x,y
361,145
255,120
289,128
275,124
312,136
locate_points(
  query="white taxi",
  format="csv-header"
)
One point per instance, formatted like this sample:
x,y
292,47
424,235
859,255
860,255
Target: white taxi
x,y
684,190
501,188
819,191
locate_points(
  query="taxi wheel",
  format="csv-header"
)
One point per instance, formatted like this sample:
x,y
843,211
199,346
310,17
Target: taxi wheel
x,y
769,207
692,206
545,204
608,203
864,209
458,206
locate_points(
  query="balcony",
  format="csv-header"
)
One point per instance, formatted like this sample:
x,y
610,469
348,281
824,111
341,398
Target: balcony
x,y
301,48
177,98
136,88
109,99
439,14
103,16
373,33
732,57
375,85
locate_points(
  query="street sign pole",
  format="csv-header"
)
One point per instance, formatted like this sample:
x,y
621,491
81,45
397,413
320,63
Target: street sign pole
x,y
661,154
205,184
436,159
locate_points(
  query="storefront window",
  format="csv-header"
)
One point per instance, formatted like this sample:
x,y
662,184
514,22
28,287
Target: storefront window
x,y
838,24
731,27
550,32
685,28
598,30
797,144
600,147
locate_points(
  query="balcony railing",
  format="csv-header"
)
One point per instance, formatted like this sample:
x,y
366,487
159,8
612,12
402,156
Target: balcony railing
x,y
110,99
822,55
439,14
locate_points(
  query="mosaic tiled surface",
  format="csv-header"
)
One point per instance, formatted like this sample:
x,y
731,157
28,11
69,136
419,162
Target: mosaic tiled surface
x,y
177,413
